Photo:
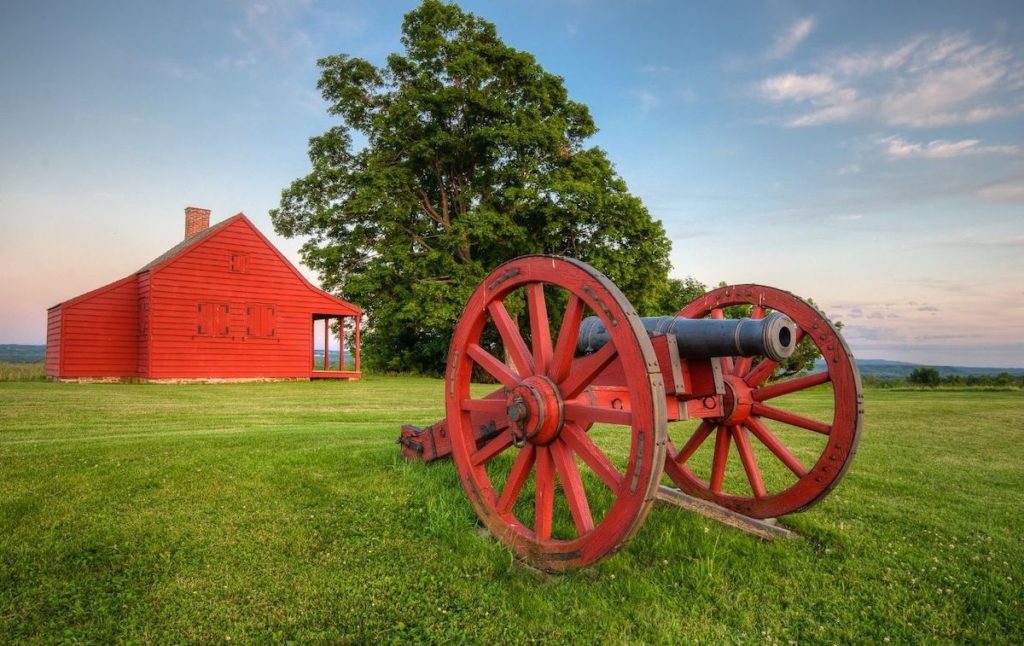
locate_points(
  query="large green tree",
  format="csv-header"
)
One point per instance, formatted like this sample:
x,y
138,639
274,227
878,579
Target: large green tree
x,y
468,154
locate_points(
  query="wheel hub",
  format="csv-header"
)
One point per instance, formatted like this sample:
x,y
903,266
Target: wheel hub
x,y
535,409
736,402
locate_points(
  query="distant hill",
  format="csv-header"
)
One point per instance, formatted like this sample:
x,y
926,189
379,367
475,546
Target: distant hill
x,y
884,369
21,353
880,368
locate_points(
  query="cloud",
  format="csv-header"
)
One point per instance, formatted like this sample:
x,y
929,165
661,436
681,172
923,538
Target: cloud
x,y
824,97
286,29
648,100
796,87
787,42
927,81
1007,191
899,148
842,105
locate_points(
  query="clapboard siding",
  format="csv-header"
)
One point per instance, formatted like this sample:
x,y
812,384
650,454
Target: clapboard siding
x,y
150,324
53,341
145,325
204,275
99,332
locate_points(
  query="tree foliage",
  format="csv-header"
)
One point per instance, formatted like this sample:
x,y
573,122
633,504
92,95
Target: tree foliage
x,y
473,155
679,293
925,376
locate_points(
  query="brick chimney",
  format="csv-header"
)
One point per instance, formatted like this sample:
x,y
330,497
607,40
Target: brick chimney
x,y
196,221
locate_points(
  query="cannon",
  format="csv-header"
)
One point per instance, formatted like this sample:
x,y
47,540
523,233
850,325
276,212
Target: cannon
x,y
559,398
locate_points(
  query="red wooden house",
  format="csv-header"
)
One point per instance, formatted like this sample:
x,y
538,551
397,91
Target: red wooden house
x,y
222,304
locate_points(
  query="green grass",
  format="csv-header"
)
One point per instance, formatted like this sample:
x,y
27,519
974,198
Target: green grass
x,y
282,512
12,371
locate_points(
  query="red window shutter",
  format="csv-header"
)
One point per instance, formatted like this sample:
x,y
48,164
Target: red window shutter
x,y
213,319
222,324
269,322
261,321
240,263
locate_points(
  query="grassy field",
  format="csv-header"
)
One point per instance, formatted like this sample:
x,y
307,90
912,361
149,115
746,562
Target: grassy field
x,y
10,371
282,512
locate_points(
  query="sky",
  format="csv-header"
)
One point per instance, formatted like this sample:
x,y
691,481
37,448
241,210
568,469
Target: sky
x,y
868,155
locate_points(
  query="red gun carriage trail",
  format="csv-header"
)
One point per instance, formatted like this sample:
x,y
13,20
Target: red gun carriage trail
x,y
223,304
556,389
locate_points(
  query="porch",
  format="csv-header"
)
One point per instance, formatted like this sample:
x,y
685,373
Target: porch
x,y
338,338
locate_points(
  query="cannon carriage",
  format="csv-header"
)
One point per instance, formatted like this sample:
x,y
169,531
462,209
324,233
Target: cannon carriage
x,y
590,407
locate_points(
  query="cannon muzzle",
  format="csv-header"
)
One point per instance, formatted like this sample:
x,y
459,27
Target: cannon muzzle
x,y
773,337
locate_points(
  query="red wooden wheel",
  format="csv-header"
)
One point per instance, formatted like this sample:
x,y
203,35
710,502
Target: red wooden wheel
x,y
806,454
606,477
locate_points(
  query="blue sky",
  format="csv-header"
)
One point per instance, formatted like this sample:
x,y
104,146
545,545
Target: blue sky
x,y
868,155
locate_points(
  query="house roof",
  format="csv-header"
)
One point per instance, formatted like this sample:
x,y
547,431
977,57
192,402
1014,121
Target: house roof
x,y
187,243
194,241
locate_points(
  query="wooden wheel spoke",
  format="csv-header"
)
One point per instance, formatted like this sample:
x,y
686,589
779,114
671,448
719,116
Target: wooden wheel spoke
x,y
540,331
742,366
592,456
584,370
790,386
514,344
572,486
544,501
766,437
719,461
749,461
692,444
762,385
565,347
792,419
493,405
728,365
501,442
585,414
761,371
494,367
516,479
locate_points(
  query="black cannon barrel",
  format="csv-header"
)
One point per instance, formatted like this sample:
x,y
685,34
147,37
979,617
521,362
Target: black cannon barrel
x,y
773,337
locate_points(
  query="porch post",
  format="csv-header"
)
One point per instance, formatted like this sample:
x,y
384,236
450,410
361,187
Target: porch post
x,y
327,339
359,320
341,344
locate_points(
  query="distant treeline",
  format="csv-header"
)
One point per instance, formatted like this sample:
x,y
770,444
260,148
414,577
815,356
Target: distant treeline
x,y
926,377
901,371
13,353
